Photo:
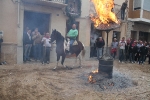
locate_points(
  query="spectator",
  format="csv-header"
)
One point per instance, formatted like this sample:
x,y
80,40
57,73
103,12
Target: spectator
x,y
103,46
127,49
27,41
1,40
114,46
37,37
92,44
147,46
139,44
149,55
143,52
99,46
46,48
122,44
25,32
132,52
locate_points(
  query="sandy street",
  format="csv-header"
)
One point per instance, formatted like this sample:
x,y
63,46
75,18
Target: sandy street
x,y
34,81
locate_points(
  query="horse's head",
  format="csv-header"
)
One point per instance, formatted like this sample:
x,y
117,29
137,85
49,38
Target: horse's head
x,y
53,35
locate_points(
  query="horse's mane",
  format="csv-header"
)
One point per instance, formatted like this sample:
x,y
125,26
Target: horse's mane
x,y
59,36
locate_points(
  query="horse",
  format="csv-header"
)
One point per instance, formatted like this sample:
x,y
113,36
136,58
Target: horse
x,y
78,50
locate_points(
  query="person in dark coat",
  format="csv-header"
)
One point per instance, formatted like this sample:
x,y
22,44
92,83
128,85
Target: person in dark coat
x,y
27,42
99,47
149,54
127,50
132,52
143,52
137,57
1,40
123,8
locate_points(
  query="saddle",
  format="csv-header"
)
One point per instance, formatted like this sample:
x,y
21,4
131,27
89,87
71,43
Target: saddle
x,y
67,44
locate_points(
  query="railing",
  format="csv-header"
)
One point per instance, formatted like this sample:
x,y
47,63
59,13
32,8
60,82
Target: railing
x,y
117,11
57,1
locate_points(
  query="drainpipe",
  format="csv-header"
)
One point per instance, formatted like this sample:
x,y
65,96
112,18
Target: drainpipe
x,y
18,24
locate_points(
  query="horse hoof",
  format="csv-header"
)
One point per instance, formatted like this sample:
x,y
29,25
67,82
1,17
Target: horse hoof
x,y
69,68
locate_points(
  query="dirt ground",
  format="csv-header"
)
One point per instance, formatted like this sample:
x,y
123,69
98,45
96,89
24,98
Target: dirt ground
x,y
34,81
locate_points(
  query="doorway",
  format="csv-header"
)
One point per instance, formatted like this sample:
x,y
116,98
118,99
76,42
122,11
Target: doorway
x,y
143,36
116,34
34,20
134,35
37,20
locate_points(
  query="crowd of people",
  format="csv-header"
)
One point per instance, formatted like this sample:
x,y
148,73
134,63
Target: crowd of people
x,y
129,50
36,45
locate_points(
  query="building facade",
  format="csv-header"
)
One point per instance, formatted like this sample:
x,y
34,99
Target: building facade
x,y
139,20
16,15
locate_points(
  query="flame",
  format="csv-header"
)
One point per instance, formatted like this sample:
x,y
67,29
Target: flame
x,y
104,12
91,80
96,71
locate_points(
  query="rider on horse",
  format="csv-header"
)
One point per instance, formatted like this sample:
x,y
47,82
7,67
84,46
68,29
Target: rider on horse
x,y
72,34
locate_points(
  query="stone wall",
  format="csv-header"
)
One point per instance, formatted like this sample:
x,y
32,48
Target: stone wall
x,y
137,27
9,53
129,29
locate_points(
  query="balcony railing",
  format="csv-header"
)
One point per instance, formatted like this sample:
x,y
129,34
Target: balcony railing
x,y
56,1
117,11
52,3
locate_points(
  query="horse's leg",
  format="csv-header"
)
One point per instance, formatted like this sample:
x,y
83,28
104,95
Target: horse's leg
x,y
63,59
75,61
79,60
58,57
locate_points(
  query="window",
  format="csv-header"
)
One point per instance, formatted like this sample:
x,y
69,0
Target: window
x,y
137,4
146,5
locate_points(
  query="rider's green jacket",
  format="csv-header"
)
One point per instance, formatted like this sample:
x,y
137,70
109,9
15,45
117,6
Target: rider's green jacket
x,y
73,33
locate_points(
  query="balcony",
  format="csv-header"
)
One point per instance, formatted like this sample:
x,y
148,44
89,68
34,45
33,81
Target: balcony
x,y
52,3
139,11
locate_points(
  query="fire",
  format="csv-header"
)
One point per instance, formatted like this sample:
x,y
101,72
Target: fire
x,y
91,80
104,12
96,71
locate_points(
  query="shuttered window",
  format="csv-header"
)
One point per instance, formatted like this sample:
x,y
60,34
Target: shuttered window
x,y
137,4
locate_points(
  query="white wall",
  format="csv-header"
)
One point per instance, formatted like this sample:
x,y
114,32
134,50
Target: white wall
x,y
119,2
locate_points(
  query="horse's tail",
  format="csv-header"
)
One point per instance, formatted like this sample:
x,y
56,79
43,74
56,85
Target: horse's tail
x,y
83,50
